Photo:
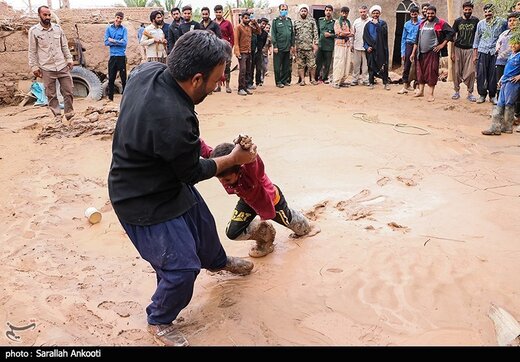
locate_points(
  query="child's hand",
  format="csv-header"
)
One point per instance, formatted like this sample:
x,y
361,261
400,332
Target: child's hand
x,y
244,141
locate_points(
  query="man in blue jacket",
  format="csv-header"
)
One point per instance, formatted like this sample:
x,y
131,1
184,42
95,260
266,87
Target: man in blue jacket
x,y
116,38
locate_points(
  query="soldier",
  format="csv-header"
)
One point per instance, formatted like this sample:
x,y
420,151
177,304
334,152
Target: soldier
x,y
50,59
325,45
306,44
282,36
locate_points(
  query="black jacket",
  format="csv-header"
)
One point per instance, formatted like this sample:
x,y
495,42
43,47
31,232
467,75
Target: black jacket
x,y
155,150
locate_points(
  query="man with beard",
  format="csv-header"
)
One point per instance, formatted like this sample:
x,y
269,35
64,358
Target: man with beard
x,y
155,164
375,42
226,30
342,47
462,51
153,39
432,38
173,30
325,45
116,38
484,53
242,50
258,58
306,44
208,24
50,59
359,57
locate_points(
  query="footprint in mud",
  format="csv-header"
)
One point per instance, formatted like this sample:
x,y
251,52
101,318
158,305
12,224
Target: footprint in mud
x,y
335,270
122,309
361,205
316,210
407,181
396,227
383,181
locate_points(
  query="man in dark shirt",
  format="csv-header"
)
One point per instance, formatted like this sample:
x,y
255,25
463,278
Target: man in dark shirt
x,y
462,51
258,59
155,163
208,24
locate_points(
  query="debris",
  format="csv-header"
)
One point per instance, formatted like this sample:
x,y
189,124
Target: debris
x,y
507,327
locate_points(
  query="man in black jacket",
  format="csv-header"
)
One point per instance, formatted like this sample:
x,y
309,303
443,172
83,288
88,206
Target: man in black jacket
x,y
155,164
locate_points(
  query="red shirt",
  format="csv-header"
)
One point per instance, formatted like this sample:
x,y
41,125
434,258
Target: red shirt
x,y
226,28
255,188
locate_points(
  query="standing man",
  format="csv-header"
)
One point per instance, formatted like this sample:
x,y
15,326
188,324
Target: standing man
x,y
258,57
282,36
484,53
226,30
242,50
153,39
359,57
151,180
306,44
325,45
173,30
465,28
432,38
176,17
424,9
188,24
375,42
208,24
116,38
411,27
342,47
50,59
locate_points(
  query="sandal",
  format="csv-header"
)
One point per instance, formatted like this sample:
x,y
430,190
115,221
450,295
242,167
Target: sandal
x,y
456,95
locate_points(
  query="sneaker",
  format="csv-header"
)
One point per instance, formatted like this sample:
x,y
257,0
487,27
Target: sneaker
x,y
354,83
386,87
326,81
252,86
69,115
336,86
471,98
228,89
481,99
403,91
242,92
287,84
249,92
313,82
493,100
280,85
260,84
455,96
344,85
168,335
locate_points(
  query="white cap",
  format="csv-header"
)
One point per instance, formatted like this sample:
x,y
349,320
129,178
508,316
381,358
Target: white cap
x,y
375,7
303,6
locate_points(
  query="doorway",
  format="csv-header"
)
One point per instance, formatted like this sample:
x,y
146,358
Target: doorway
x,y
317,11
402,15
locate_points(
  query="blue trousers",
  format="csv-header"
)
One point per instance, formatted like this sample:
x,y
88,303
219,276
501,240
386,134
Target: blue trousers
x,y
508,95
177,249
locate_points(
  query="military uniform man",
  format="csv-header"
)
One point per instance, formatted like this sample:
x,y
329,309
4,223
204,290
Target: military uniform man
x,y
282,36
325,44
306,44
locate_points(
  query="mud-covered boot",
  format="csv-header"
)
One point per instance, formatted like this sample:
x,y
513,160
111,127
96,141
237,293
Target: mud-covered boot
x,y
509,119
299,223
238,266
496,122
263,233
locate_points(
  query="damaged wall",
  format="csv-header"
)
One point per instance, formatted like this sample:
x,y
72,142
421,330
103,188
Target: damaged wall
x,y
91,24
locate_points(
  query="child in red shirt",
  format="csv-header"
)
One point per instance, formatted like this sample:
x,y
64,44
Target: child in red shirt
x,y
258,196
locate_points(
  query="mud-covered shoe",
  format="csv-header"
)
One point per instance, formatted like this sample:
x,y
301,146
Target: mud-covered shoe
x,y
261,249
69,115
238,266
168,335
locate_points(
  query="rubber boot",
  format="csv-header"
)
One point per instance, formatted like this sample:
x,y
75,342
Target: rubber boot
x,y
509,119
496,122
299,223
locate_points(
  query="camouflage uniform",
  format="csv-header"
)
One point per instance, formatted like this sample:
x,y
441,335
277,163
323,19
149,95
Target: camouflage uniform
x,y
305,36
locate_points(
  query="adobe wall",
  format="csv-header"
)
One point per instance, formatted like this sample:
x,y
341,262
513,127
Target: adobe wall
x,y
91,24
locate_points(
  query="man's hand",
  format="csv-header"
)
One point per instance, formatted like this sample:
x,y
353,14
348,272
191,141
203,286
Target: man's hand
x,y
314,48
402,59
70,65
453,57
412,57
370,50
515,79
275,50
475,60
293,50
327,34
438,48
244,141
111,40
37,73
242,156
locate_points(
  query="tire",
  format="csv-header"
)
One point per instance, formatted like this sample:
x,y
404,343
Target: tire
x,y
86,84
118,87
